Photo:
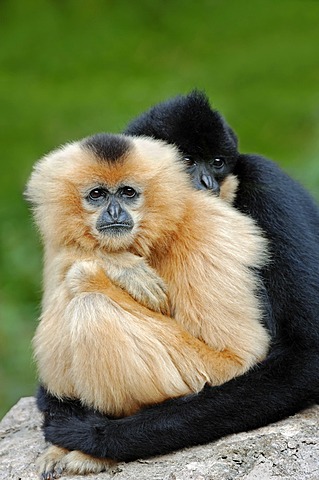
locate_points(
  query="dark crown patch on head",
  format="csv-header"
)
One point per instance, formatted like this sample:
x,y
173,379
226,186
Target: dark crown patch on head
x,y
107,146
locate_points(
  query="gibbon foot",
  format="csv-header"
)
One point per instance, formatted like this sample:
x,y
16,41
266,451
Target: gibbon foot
x,y
56,461
47,463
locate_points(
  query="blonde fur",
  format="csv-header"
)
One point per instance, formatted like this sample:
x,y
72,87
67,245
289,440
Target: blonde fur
x,y
132,320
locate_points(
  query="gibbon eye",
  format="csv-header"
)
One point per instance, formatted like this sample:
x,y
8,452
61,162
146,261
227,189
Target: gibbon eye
x,y
218,162
96,193
190,161
128,192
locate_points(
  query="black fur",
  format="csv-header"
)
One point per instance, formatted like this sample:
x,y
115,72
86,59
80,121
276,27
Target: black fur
x,y
178,121
289,378
107,146
184,118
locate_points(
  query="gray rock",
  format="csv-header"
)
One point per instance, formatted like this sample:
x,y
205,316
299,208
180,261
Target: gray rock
x,y
287,450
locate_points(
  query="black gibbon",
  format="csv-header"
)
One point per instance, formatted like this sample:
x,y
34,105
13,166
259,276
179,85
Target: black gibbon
x,y
125,248
289,377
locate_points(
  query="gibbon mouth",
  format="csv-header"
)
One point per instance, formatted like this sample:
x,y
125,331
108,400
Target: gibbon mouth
x,y
116,227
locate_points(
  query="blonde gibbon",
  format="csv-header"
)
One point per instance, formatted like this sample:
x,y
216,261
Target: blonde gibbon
x,y
150,288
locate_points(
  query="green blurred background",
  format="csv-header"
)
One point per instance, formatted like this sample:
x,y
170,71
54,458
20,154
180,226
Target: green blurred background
x,y
72,68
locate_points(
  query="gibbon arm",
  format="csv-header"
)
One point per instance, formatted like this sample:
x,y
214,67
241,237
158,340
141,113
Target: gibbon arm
x,y
196,419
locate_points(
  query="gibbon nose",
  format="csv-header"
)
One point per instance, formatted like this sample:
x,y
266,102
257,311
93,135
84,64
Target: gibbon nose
x,y
114,209
206,181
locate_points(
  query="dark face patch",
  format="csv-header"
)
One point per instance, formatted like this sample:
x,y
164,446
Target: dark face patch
x,y
107,146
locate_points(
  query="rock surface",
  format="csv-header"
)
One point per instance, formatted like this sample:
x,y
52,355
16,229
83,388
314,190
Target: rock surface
x,y
287,450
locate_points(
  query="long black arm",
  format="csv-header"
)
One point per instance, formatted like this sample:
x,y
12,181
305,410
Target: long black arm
x,y
277,388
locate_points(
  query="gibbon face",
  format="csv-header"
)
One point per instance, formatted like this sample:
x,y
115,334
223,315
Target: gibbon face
x,y
209,146
110,212
107,192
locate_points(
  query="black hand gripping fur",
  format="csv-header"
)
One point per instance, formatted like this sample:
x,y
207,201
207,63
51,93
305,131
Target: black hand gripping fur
x,y
288,379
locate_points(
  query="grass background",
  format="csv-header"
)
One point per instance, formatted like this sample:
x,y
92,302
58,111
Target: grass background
x,y
72,68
